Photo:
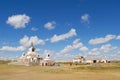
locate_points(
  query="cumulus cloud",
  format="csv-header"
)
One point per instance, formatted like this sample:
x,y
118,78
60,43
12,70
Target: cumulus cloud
x,y
64,57
118,37
48,52
18,21
12,49
50,25
67,49
84,48
94,51
104,49
65,54
101,52
76,45
85,18
34,29
38,49
97,52
57,38
26,41
107,48
102,40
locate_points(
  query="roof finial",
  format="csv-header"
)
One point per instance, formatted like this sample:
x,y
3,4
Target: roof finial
x,y
31,44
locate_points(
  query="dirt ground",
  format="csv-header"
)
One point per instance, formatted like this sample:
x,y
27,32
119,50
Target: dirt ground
x,y
64,72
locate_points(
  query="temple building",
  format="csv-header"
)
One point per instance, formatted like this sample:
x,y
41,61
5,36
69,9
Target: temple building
x,y
32,58
29,58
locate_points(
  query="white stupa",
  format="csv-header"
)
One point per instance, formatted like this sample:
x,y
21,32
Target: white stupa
x,y
47,57
29,58
32,58
47,61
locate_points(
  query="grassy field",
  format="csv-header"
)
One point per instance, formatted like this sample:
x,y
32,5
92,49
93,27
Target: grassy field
x,y
109,71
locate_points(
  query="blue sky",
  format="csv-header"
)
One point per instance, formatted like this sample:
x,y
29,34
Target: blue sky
x,y
64,28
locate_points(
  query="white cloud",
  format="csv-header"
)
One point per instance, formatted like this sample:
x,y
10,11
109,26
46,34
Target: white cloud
x,y
38,49
102,40
103,50
26,41
48,52
107,48
76,41
85,18
12,49
84,48
76,45
94,51
100,52
57,38
18,21
34,29
64,57
50,25
118,37
67,49
79,45
68,57
118,52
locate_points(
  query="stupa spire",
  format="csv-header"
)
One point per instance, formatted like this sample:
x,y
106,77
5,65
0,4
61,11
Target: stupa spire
x,y
31,45
32,49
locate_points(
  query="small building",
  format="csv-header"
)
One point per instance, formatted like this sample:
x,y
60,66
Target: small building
x,y
47,61
103,61
89,60
78,59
